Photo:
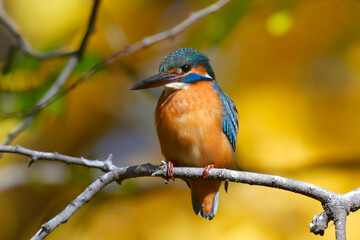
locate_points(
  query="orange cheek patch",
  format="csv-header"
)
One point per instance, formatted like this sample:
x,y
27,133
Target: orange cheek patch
x,y
199,70
173,70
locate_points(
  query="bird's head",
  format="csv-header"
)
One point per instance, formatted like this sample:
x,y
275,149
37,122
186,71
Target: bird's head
x,y
179,69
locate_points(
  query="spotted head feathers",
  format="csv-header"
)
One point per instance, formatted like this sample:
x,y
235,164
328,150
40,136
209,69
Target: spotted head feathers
x,y
186,57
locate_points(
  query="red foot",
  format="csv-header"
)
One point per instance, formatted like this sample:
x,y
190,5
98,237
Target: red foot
x,y
207,169
170,168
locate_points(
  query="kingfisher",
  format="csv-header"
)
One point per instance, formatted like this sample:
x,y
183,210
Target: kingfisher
x,y
196,123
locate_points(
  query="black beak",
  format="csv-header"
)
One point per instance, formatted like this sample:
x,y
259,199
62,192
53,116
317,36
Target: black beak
x,y
155,81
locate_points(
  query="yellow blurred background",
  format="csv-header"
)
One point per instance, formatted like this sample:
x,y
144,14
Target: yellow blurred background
x,y
291,66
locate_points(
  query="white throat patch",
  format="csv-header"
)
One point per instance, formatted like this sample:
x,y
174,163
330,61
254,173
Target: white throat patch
x,y
207,75
170,87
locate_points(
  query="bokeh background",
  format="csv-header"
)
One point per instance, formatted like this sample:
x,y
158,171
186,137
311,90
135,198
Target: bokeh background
x,y
291,66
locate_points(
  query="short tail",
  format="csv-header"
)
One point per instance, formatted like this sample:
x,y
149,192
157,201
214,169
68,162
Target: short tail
x,y
198,210
205,197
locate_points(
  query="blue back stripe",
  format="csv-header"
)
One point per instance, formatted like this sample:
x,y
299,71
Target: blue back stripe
x,y
230,122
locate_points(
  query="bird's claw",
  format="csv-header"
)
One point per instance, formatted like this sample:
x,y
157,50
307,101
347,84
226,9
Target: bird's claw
x,y
170,170
207,170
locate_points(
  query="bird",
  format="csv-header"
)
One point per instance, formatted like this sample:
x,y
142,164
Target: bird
x,y
196,123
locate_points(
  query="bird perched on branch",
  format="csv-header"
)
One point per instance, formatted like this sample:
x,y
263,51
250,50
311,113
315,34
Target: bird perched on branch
x,y
196,122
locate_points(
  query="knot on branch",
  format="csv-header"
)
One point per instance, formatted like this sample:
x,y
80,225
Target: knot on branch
x,y
319,224
45,228
32,160
117,177
108,163
334,208
161,170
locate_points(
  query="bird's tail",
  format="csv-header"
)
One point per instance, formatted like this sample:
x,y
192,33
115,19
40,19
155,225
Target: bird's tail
x,y
205,197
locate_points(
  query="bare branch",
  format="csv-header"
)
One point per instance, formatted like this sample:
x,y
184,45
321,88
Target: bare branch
x,y
19,129
61,79
340,224
130,49
319,224
37,155
119,174
353,198
336,209
349,202
71,64
55,87
25,49
63,76
303,188
77,203
336,206
89,29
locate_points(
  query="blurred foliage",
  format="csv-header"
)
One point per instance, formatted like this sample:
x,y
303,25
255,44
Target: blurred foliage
x,y
21,93
87,62
18,61
279,23
292,68
218,26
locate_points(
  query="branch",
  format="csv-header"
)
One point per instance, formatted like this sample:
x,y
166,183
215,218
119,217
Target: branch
x,y
336,206
295,186
19,129
55,87
63,76
89,29
353,198
77,203
319,224
120,174
25,49
130,49
336,209
105,166
340,224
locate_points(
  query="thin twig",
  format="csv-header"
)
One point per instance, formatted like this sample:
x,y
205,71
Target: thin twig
x,y
25,49
89,29
19,129
77,203
63,76
130,49
37,155
59,82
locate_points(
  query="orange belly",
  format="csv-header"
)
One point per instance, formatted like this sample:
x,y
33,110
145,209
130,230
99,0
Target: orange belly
x,y
189,127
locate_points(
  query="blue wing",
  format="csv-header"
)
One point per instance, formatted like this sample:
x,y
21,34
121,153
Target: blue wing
x,y
230,121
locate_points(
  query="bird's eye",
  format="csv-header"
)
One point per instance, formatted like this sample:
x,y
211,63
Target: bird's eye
x,y
186,68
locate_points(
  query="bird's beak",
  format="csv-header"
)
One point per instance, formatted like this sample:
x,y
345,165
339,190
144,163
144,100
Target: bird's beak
x,y
156,81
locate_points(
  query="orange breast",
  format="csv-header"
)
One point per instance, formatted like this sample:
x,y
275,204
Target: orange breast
x,y
189,127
